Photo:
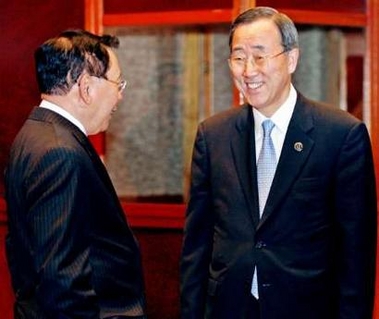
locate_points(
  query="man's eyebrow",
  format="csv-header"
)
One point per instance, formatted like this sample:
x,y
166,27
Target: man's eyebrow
x,y
237,49
258,47
254,47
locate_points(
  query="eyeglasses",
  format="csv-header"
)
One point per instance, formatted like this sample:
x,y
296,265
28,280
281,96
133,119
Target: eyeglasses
x,y
240,60
120,84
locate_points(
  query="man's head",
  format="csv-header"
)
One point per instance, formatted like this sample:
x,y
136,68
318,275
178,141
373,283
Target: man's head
x,y
79,71
263,55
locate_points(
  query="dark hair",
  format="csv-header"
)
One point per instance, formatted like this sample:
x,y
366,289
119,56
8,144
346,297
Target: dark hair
x,y
287,29
61,60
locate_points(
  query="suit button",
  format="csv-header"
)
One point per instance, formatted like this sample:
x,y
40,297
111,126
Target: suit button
x,y
260,245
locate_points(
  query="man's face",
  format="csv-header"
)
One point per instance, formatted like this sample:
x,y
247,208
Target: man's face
x,y
106,96
260,69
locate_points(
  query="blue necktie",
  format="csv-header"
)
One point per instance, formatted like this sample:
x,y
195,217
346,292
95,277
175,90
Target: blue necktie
x,y
266,167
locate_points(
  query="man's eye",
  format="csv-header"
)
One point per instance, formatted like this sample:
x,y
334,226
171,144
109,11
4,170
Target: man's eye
x,y
238,59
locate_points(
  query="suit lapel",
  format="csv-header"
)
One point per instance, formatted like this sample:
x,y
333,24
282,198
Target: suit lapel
x,y
243,146
98,164
296,150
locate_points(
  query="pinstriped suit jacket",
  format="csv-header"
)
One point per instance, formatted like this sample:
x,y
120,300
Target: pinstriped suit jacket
x,y
70,250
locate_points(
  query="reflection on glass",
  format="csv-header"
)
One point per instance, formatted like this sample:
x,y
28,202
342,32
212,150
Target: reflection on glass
x,y
176,77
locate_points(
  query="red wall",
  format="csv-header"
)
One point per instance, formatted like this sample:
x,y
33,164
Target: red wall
x,y
134,6
319,5
122,6
6,295
26,24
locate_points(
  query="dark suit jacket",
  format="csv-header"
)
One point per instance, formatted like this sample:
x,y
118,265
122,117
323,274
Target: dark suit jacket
x,y
70,250
314,246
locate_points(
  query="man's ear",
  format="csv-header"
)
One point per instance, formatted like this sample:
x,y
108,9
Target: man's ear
x,y
84,88
293,57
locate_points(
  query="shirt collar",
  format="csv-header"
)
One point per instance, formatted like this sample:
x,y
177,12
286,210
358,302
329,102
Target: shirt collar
x,y
57,109
281,117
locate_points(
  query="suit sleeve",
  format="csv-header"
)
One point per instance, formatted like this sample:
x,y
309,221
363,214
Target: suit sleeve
x,y
198,234
59,217
356,219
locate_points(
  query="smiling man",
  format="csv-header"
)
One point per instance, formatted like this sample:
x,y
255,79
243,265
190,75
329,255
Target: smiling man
x,y
281,220
70,251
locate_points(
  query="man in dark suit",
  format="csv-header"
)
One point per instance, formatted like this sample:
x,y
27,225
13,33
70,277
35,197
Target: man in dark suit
x,y
70,251
307,251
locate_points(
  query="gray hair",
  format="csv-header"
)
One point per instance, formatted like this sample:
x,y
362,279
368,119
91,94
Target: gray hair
x,y
287,29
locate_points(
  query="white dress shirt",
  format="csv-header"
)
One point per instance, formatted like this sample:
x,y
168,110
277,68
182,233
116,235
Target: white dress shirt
x,y
281,119
57,109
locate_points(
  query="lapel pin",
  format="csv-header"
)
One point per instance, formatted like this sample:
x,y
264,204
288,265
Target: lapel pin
x,y
298,146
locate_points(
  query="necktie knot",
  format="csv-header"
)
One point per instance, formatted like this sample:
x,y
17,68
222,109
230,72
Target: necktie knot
x,y
267,125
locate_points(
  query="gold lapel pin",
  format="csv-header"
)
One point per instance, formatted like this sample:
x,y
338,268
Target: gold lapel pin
x,y
298,146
